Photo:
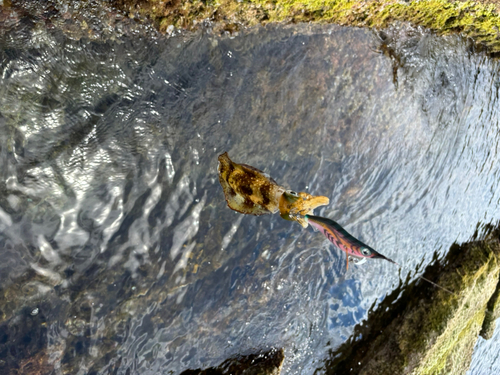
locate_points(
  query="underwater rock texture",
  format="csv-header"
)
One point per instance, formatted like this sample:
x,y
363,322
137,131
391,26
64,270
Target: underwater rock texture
x,y
269,363
428,330
91,20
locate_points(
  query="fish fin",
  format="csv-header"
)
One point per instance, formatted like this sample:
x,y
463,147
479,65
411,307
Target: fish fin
x,y
347,259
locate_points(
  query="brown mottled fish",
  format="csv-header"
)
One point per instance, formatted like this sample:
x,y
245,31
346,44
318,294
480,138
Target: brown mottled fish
x,y
293,204
247,189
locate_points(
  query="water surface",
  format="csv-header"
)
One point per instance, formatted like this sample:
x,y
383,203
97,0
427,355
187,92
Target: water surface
x,y
119,252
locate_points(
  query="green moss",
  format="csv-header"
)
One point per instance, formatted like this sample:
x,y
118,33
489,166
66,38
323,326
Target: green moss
x,y
455,321
472,19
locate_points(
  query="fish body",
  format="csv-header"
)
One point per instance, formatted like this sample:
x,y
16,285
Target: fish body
x,y
248,190
343,239
294,205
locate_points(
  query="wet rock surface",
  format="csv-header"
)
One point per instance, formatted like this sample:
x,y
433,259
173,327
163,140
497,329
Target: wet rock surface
x,y
492,314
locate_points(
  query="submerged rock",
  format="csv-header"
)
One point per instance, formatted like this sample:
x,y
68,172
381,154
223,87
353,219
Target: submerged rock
x,y
477,20
268,363
428,330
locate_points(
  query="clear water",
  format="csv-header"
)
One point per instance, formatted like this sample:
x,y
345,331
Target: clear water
x,y
119,252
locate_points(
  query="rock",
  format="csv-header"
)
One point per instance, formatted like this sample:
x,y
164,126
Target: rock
x,y
428,330
479,20
492,314
268,363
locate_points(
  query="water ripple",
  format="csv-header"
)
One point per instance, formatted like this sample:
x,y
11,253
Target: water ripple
x,y
112,217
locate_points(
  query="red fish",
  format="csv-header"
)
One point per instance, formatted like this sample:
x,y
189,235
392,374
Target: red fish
x,y
343,240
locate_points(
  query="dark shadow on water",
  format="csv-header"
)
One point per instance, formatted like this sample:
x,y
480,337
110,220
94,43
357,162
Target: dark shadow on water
x,y
23,340
265,363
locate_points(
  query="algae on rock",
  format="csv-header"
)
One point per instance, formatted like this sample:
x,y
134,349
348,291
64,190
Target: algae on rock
x,y
477,20
492,314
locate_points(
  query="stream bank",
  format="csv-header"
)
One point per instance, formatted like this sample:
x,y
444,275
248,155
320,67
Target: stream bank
x,y
477,20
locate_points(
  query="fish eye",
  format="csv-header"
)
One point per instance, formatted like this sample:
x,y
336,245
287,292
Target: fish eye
x,y
291,192
366,251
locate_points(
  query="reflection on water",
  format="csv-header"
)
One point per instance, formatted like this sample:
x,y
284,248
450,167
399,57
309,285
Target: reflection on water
x,y
113,225
486,356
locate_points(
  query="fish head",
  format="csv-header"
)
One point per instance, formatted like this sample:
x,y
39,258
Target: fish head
x,y
293,205
248,190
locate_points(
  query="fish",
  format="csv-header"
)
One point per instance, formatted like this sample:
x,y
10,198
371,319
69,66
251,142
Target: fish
x,y
293,205
343,240
247,189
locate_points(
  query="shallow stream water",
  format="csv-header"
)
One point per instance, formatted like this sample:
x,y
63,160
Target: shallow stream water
x,y
118,250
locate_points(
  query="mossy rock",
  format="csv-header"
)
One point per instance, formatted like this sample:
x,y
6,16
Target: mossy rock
x,y
477,20
492,314
428,330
